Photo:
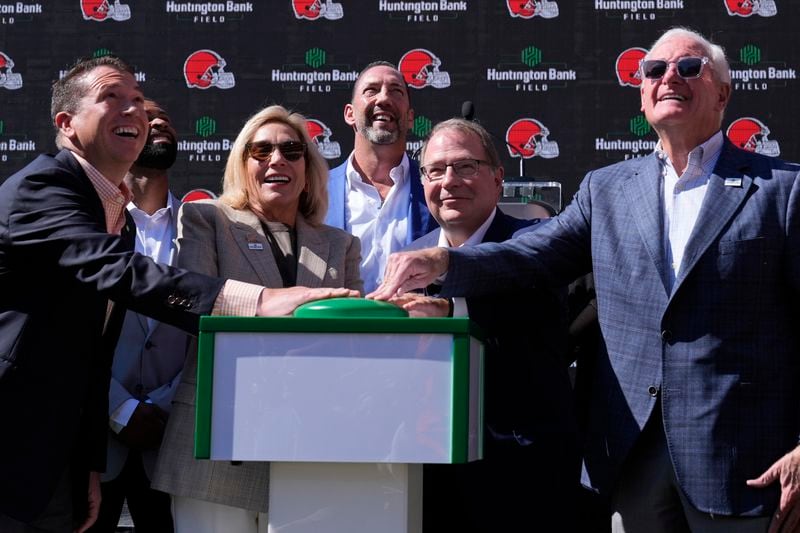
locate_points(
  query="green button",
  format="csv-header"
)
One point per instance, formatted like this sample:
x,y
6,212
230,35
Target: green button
x,y
349,308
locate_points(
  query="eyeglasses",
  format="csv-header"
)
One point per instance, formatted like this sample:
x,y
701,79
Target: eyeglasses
x,y
465,168
688,68
262,150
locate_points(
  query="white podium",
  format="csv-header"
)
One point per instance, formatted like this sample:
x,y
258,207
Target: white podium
x,y
345,409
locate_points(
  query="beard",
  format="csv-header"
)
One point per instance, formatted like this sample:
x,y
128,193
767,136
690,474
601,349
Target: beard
x,y
380,136
160,156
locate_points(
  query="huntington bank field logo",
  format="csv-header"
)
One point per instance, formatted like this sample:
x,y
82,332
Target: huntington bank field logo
x,y
750,74
205,146
420,69
748,8
627,67
8,78
321,135
751,134
209,12
527,138
204,69
10,13
317,9
15,148
102,10
423,11
528,72
638,10
527,9
628,144
316,80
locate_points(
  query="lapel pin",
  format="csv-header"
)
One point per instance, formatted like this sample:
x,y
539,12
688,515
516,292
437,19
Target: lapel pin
x,y
255,246
733,182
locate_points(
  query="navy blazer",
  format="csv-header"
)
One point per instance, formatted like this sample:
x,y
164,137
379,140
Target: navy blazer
x,y
420,220
720,349
58,269
527,389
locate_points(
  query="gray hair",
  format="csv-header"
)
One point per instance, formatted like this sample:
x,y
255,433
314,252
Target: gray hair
x,y
714,52
466,126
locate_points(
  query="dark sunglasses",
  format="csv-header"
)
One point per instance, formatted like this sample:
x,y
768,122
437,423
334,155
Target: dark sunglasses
x,y
688,67
262,150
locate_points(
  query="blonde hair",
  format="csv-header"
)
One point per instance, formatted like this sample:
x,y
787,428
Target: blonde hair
x,y
239,191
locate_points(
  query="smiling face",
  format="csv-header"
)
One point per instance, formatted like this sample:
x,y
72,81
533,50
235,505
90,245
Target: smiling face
x,y
278,181
380,111
690,107
459,204
109,127
161,147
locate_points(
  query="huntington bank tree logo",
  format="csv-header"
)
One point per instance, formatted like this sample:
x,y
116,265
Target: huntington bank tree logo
x,y
422,126
750,54
102,10
420,69
527,138
531,56
527,9
751,134
204,69
639,126
205,126
317,9
748,8
315,57
321,135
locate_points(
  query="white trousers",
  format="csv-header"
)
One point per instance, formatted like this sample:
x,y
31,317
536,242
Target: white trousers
x,y
199,516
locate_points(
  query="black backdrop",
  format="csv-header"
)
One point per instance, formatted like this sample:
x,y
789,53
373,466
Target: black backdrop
x,y
551,65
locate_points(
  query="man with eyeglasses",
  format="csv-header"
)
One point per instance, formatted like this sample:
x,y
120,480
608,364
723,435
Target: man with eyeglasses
x,y
376,194
530,430
694,412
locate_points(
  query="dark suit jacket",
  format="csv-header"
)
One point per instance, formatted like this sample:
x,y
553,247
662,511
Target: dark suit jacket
x,y
530,428
720,349
420,220
58,269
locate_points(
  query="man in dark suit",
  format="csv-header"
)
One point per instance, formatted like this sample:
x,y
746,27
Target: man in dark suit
x,y
530,431
376,194
61,261
694,409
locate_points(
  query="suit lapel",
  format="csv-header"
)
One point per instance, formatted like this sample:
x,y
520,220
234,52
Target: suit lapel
x,y
249,237
642,192
313,253
720,204
500,228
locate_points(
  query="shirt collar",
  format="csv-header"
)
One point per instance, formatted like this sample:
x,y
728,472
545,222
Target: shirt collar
x,y
398,174
702,155
475,238
104,187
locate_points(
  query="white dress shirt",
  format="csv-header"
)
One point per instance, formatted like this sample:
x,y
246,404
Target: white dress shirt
x,y
459,303
154,237
683,197
382,226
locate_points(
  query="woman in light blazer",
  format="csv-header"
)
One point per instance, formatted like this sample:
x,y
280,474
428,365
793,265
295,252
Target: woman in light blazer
x,y
266,228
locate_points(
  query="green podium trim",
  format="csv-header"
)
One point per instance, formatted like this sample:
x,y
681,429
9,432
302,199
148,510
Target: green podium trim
x,y
461,329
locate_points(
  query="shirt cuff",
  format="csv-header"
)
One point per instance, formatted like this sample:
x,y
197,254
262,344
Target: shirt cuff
x,y
460,309
237,299
122,414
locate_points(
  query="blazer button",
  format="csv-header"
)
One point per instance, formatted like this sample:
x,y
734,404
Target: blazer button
x,y
652,390
172,299
148,345
666,335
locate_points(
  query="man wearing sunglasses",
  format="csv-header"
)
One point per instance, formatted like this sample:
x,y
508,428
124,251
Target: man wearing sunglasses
x,y
376,194
694,411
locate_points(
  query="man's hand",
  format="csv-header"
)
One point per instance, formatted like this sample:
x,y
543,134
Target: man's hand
x,y
419,305
145,429
787,471
282,302
93,502
406,271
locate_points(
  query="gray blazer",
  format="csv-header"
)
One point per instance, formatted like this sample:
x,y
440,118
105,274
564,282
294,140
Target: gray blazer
x,y
214,238
720,349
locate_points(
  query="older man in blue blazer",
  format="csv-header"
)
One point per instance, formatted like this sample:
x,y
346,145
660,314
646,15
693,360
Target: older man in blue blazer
x,y
695,406
376,193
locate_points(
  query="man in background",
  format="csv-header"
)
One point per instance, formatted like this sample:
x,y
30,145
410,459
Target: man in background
x,y
376,194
